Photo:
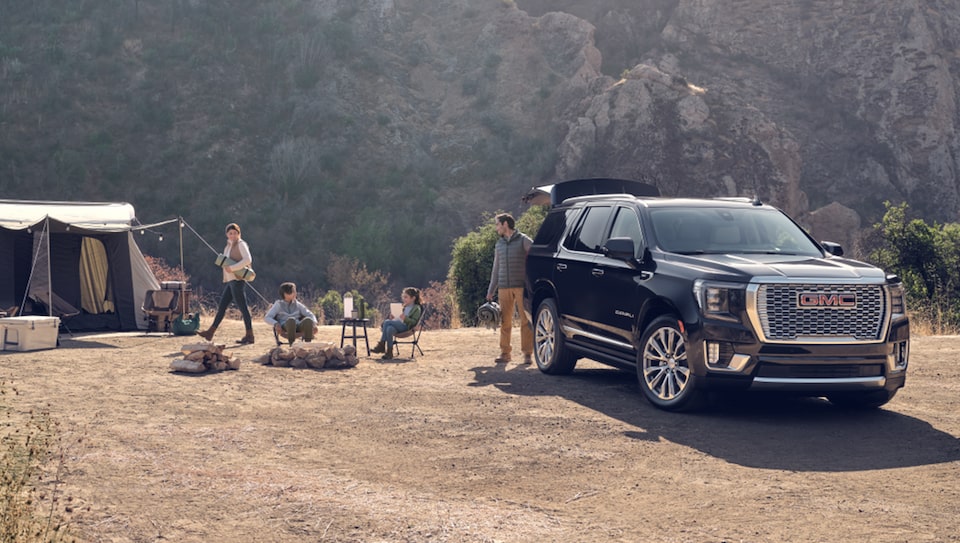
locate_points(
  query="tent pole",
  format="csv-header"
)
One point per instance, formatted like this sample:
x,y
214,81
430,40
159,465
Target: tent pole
x,y
46,227
180,227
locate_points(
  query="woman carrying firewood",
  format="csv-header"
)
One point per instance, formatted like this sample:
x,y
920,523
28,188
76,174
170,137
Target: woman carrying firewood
x,y
238,259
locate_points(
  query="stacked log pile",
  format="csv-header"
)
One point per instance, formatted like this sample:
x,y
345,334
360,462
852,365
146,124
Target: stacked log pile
x,y
203,357
319,355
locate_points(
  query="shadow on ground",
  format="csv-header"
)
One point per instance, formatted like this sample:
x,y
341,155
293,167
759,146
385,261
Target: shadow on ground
x,y
761,431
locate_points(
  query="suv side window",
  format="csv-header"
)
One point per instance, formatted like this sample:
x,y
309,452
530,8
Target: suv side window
x,y
627,225
589,233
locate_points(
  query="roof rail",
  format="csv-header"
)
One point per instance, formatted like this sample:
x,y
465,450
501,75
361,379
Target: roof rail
x,y
558,192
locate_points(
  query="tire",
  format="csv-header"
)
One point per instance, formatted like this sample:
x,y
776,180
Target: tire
x,y
861,400
663,369
549,347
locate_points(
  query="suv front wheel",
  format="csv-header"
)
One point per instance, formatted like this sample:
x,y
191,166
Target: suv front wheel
x,y
664,371
548,343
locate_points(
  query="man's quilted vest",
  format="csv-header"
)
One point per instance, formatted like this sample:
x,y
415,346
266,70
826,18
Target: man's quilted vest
x,y
512,257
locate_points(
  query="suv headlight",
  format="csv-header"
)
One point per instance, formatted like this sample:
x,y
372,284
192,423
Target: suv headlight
x,y
724,301
898,305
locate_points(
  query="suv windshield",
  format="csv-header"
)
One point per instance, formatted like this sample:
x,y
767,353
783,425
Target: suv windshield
x,y
720,230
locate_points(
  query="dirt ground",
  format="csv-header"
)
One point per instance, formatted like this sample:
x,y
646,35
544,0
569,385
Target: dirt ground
x,y
448,447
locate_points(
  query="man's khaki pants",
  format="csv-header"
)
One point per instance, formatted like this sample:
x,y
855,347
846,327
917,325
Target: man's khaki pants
x,y
510,298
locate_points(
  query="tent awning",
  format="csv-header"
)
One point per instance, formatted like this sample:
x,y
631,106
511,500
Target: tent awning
x,y
105,216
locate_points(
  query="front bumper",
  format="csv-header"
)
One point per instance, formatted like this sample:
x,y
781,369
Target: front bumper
x,y
730,356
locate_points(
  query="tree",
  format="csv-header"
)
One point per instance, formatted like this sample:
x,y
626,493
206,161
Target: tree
x,y
927,259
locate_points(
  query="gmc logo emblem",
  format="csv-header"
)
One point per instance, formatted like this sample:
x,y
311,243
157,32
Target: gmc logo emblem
x,y
821,299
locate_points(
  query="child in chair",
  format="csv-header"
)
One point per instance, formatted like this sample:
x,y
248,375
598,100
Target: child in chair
x,y
289,317
412,310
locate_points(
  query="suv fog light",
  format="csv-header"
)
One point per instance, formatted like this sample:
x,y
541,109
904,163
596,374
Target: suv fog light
x,y
713,353
720,356
901,355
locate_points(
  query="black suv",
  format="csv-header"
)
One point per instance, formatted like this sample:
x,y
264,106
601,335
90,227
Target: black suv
x,y
708,294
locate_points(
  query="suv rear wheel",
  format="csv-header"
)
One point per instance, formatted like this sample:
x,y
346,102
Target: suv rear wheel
x,y
663,368
548,344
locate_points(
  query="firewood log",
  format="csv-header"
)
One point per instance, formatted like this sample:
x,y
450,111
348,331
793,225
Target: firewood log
x,y
187,366
203,346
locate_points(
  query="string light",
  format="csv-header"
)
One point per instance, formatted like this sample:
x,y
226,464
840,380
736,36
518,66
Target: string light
x,y
161,238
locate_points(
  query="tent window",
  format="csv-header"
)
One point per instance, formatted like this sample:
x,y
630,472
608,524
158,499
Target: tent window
x,y
96,292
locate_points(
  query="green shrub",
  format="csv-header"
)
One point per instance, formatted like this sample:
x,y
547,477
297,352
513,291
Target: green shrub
x,y
331,304
927,259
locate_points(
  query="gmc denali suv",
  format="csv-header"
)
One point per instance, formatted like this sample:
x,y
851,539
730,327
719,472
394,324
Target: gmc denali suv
x,y
708,294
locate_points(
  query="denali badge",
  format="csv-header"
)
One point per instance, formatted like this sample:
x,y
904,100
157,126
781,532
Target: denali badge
x,y
822,299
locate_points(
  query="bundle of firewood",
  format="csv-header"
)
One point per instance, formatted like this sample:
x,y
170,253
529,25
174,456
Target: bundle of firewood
x,y
203,357
319,355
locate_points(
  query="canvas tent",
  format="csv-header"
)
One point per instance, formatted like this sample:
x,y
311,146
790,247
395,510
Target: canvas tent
x,y
74,260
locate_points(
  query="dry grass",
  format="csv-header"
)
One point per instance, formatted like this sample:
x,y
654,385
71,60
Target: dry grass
x,y
449,447
32,506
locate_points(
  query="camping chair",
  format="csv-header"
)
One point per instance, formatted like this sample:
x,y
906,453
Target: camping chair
x,y
412,336
280,340
160,306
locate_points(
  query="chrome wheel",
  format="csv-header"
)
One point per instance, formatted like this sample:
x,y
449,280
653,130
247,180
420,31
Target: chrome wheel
x,y
545,336
664,370
548,342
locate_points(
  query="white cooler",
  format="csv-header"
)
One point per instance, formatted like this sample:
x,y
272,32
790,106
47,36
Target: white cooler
x,y
29,333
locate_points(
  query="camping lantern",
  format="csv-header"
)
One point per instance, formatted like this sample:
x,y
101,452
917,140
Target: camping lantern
x,y
348,306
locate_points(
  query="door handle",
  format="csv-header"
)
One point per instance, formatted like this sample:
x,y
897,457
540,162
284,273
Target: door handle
x,y
596,272
561,267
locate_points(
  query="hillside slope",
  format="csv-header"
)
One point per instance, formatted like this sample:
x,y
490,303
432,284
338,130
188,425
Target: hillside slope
x,y
383,129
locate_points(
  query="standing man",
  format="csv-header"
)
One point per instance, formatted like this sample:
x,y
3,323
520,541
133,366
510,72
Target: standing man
x,y
507,280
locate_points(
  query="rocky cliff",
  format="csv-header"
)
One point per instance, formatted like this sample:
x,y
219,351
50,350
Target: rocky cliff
x,y
368,121
862,97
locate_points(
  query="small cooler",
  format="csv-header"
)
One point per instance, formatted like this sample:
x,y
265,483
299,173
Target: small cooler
x,y
29,333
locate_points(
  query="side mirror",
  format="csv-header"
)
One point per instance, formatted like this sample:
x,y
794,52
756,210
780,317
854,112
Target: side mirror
x,y
620,249
833,248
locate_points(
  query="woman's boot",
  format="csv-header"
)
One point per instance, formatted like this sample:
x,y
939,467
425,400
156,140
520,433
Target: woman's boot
x,y
378,348
247,339
208,333
388,355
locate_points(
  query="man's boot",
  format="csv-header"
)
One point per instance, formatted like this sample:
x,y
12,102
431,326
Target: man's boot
x,y
247,339
378,348
388,355
208,333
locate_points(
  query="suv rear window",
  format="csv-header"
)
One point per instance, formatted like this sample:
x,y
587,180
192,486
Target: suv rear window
x,y
552,228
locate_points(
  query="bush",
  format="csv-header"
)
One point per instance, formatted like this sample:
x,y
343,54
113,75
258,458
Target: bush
x,y
30,508
331,305
927,259
164,272
443,305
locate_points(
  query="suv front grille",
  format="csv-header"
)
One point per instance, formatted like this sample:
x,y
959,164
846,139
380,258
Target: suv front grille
x,y
801,312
